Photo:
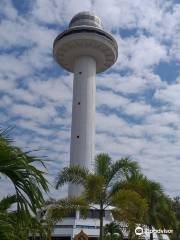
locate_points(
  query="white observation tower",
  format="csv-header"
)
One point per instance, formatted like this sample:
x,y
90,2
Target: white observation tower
x,y
84,49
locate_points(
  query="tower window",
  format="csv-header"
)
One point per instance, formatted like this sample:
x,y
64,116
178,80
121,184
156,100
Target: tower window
x,y
78,103
78,136
80,72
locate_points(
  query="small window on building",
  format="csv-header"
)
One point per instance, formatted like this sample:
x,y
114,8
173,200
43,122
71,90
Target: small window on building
x,y
78,136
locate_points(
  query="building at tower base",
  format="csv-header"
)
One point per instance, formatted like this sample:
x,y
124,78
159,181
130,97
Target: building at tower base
x,y
70,226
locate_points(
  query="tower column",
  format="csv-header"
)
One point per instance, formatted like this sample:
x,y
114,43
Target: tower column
x,y
83,117
85,49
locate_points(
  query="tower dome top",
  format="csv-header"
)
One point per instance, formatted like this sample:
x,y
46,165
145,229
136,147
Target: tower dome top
x,y
86,19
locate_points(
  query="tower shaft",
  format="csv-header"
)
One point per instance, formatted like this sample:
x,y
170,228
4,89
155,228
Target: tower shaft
x,y
85,49
83,117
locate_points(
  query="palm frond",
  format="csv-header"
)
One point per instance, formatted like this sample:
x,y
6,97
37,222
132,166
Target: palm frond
x,y
73,174
6,227
102,164
64,207
95,187
29,181
7,202
4,136
130,206
122,168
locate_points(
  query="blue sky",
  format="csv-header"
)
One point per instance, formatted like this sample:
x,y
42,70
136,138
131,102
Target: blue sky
x,y
138,104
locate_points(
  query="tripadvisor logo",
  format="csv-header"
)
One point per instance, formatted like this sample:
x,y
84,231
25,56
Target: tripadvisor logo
x,y
140,231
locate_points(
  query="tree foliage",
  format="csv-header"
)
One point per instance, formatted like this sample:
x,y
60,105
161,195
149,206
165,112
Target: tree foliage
x,y
106,175
29,185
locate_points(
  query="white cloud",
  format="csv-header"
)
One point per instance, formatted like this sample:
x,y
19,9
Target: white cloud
x,y
164,118
57,11
111,99
139,53
7,9
135,83
42,114
169,94
6,84
128,14
138,109
13,65
175,50
56,90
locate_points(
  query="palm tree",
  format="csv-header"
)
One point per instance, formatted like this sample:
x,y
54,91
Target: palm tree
x,y
19,167
29,184
10,228
6,224
106,174
160,214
